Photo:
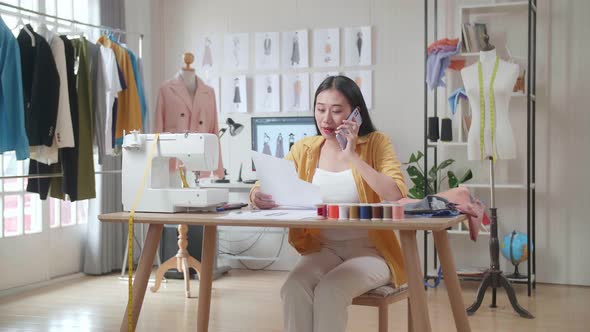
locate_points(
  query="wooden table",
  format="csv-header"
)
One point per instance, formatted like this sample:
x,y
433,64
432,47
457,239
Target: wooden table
x,y
407,228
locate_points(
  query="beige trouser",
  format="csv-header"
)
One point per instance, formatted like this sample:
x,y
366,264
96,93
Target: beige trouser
x,y
318,291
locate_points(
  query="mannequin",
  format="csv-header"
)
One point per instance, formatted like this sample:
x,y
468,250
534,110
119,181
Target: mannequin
x,y
500,144
188,74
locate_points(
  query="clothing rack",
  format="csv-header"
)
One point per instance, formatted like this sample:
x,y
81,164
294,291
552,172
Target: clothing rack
x,y
73,22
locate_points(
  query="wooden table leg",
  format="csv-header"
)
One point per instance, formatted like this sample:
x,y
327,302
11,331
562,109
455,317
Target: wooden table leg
x,y
420,318
206,277
447,263
142,274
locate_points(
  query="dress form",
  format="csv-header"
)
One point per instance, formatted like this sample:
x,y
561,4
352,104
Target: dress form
x,y
503,146
188,74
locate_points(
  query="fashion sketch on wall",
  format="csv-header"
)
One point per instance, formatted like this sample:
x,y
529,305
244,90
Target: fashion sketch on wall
x,y
358,46
235,48
267,92
208,55
234,94
318,78
295,89
326,48
267,50
295,49
364,79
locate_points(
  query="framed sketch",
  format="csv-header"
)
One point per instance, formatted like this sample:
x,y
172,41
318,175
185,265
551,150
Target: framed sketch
x,y
213,82
295,49
208,54
295,89
236,51
358,46
326,48
234,95
317,79
267,93
364,79
267,50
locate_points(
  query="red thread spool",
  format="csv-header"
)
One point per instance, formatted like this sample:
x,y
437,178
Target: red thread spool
x,y
322,210
333,211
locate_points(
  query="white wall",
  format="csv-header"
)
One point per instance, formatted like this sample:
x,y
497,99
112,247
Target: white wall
x,y
562,117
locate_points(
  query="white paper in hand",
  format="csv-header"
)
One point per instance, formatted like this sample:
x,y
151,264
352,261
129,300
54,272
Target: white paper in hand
x,y
279,179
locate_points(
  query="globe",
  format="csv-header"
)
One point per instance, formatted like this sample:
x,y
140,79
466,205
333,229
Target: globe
x,y
514,248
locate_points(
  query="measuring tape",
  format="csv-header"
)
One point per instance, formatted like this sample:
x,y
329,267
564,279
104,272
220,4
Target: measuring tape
x,y
146,171
482,106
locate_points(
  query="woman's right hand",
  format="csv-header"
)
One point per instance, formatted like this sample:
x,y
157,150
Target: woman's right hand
x,y
262,200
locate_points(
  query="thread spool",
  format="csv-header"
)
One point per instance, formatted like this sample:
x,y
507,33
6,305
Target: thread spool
x,y
387,213
365,211
376,212
322,210
343,212
332,211
397,212
433,128
446,130
353,212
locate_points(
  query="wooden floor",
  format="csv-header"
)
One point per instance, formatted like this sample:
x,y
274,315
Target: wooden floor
x,y
249,301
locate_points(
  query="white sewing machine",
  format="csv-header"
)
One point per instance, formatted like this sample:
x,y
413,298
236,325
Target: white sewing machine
x,y
161,191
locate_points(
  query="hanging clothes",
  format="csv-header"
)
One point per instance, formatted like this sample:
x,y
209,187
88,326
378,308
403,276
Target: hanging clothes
x,y
68,157
40,86
13,136
177,112
64,132
128,116
98,100
86,178
112,87
280,152
41,99
139,86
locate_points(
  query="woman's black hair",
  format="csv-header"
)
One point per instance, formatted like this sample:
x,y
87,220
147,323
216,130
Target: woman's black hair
x,y
353,94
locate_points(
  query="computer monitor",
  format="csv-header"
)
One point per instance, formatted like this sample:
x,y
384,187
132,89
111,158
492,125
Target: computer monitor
x,y
275,135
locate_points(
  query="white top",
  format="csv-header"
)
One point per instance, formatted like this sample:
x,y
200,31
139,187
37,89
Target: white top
x,y
190,81
112,88
338,187
505,147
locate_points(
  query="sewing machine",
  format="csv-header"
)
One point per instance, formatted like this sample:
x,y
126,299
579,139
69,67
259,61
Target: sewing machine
x,y
162,191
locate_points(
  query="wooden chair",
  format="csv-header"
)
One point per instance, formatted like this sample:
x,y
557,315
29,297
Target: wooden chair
x,y
381,298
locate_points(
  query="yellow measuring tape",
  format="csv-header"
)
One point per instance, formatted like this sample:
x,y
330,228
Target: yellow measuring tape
x,y
146,171
482,106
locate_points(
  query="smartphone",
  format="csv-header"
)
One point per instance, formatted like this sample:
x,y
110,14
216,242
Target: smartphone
x,y
355,116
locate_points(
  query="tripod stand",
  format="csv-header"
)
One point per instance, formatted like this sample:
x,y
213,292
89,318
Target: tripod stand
x,y
493,277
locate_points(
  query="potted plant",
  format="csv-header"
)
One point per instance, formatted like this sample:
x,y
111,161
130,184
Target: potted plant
x,y
435,179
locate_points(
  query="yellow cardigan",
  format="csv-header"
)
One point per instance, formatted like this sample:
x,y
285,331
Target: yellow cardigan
x,y
376,150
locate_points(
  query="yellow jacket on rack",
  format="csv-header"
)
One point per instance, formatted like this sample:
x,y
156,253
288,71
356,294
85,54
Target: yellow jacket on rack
x,y
376,150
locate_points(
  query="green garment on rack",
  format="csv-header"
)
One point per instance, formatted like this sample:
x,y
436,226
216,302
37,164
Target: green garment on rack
x,y
86,183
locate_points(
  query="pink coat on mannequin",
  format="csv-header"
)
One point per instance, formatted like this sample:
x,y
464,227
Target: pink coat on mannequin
x,y
177,112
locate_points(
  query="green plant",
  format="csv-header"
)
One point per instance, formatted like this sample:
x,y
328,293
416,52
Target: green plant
x,y
435,180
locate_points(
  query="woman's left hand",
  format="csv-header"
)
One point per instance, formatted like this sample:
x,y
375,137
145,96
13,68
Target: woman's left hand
x,y
350,130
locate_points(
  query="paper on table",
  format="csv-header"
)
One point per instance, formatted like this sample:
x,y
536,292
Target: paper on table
x,y
279,179
275,214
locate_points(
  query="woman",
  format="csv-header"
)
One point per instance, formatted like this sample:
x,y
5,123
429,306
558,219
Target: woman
x,y
338,265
